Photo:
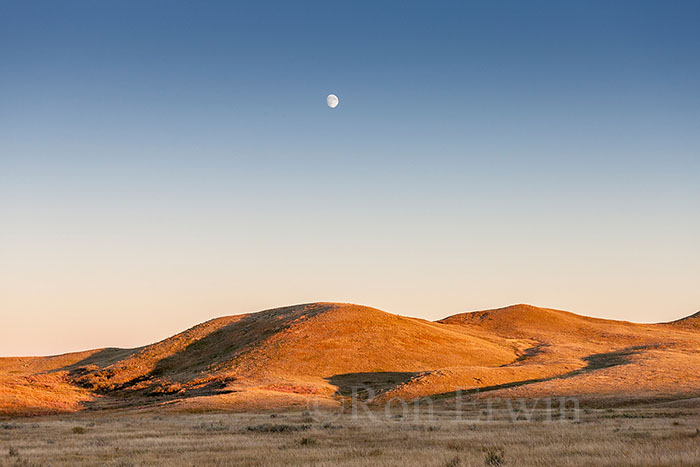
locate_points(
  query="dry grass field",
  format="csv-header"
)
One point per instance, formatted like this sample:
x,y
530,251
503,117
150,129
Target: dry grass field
x,y
650,435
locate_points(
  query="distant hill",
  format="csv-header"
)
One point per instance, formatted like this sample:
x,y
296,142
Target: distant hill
x,y
555,326
282,356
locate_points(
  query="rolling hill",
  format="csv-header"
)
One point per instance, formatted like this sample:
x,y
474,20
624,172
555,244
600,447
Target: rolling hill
x,y
282,356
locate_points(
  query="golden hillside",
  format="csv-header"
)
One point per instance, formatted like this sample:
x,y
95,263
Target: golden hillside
x,y
324,350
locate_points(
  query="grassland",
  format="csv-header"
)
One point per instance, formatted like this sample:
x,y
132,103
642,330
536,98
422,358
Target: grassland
x,y
658,435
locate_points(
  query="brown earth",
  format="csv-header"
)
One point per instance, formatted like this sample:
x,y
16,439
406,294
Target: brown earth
x,y
332,352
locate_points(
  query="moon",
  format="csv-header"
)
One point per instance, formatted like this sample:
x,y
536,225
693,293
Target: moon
x,y
332,101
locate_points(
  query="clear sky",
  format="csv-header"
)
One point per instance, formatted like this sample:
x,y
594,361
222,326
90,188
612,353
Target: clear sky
x,y
163,163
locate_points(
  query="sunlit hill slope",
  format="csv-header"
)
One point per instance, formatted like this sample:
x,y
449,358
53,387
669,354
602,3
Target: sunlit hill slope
x,y
283,357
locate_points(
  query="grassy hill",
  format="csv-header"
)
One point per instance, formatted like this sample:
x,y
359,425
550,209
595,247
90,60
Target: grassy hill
x,y
280,357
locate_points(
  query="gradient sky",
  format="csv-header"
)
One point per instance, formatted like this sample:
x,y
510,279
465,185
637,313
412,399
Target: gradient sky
x,y
163,163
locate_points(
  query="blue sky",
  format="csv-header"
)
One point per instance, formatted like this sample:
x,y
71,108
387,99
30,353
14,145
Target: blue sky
x,y
165,162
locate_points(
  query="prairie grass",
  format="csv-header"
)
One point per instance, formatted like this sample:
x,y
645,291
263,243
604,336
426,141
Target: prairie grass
x,y
638,437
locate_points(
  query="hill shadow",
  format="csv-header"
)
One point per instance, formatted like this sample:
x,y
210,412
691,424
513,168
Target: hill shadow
x,y
369,384
528,354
